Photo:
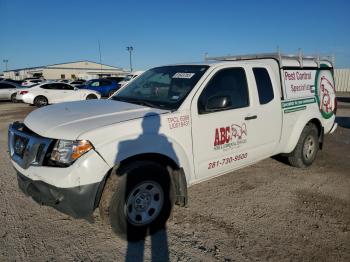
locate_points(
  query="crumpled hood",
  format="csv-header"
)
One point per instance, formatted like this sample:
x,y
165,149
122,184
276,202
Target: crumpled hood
x,y
69,120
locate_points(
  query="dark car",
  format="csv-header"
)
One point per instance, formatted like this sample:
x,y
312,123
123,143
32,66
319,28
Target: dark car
x,y
105,87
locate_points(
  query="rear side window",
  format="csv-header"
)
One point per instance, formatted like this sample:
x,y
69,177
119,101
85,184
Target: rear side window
x,y
67,87
47,86
263,82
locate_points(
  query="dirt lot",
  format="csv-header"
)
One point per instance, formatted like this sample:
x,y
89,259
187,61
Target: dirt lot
x,y
266,212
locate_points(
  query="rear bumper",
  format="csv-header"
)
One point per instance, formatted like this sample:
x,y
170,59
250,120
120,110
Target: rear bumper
x,y
78,202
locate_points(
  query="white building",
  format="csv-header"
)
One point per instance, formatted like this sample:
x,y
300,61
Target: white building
x,y
70,70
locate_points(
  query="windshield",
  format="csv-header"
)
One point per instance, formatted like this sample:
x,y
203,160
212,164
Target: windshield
x,y
162,87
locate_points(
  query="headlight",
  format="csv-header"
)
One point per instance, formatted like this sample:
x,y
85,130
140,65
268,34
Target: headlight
x,y
67,151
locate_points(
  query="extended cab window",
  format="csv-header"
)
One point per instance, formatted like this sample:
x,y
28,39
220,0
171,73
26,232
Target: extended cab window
x,y
264,85
228,89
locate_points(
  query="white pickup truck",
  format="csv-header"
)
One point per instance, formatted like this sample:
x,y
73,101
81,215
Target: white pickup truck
x,y
134,155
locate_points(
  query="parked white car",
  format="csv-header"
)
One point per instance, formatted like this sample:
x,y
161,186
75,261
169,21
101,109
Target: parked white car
x,y
135,154
31,81
8,90
54,92
129,77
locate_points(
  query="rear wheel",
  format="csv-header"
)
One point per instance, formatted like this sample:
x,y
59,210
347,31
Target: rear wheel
x,y
91,96
138,200
13,98
40,101
306,150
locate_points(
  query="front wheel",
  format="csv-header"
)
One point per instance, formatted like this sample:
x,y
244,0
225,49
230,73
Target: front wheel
x,y
306,150
137,201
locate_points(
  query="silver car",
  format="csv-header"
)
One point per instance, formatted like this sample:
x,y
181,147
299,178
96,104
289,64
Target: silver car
x,y
8,90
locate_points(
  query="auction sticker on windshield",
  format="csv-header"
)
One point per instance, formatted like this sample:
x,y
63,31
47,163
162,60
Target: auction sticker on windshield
x,y
183,75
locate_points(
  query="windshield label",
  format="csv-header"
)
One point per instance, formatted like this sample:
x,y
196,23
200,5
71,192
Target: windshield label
x,y
183,75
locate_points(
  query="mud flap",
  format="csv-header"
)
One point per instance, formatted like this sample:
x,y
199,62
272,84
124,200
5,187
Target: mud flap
x,y
180,185
321,138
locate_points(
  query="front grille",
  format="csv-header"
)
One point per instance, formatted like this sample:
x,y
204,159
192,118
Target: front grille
x,y
25,147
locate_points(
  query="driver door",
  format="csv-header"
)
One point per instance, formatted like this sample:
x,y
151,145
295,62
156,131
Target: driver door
x,y
220,131
70,93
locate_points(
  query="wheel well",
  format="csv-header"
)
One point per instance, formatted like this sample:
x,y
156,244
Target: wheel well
x,y
318,124
158,158
177,176
320,130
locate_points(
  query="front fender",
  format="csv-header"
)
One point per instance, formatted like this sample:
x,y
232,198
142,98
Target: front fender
x,y
117,151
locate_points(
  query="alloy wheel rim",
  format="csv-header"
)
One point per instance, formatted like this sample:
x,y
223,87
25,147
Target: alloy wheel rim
x,y
42,102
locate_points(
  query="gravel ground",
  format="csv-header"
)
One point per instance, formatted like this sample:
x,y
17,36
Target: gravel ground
x,y
265,212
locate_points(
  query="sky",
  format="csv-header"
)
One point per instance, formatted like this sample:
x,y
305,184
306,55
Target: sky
x,y
42,32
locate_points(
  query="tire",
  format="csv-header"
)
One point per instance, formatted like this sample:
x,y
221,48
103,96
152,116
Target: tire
x,y
306,149
91,96
137,201
40,101
13,98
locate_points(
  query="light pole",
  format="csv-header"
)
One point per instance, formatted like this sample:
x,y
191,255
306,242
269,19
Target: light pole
x,y
130,49
5,61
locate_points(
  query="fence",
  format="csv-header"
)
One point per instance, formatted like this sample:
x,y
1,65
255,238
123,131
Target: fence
x,y
342,80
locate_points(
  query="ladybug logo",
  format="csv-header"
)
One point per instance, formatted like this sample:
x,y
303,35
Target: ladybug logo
x,y
325,93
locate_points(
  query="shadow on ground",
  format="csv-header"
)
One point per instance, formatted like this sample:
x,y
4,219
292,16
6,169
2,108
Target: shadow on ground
x,y
159,248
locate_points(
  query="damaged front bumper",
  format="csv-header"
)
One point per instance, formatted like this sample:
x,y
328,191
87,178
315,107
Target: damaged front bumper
x,y
73,190
78,202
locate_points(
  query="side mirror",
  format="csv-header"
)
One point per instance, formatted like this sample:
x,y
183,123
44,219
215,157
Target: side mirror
x,y
75,88
215,103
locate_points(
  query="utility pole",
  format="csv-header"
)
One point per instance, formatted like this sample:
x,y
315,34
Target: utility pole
x,y
99,51
130,49
5,61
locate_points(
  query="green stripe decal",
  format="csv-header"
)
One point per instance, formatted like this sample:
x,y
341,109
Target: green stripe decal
x,y
298,102
290,110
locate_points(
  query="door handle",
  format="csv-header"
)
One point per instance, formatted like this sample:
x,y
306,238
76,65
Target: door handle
x,y
251,117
